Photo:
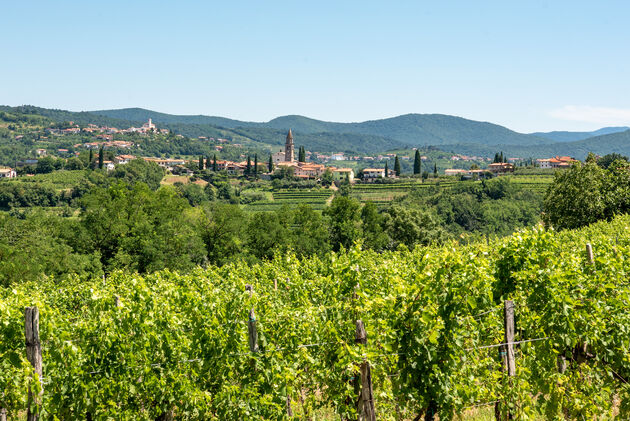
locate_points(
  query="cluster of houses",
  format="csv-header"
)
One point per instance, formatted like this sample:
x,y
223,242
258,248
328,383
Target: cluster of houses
x,y
556,162
507,167
147,127
122,144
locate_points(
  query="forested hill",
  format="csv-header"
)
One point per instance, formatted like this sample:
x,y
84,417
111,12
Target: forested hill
x,y
409,129
449,133
600,145
562,136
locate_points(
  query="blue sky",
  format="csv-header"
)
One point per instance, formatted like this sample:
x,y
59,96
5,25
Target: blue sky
x,y
530,65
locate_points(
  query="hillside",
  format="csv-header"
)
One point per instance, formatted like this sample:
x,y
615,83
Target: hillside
x,y
410,129
600,145
449,133
563,136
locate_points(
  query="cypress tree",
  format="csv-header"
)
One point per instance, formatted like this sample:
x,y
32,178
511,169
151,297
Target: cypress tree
x,y
417,163
270,164
397,166
302,154
248,169
435,170
255,165
100,158
208,162
200,162
90,159
386,170
214,163
496,158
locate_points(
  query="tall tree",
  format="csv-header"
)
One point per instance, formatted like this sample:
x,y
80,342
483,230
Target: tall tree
x,y
435,169
417,163
255,165
270,164
208,162
386,170
214,163
100,158
248,169
90,159
302,154
344,221
397,166
200,162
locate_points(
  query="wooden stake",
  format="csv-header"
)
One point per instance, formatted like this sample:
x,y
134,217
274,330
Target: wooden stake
x,y
117,301
275,284
34,356
360,336
508,311
589,253
365,405
507,351
3,414
366,400
253,333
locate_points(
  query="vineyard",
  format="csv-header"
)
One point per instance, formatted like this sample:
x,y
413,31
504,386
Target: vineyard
x,y
405,334
316,199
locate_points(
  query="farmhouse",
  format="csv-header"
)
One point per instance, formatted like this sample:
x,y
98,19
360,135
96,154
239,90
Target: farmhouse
x,y
557,162
501,167
7,173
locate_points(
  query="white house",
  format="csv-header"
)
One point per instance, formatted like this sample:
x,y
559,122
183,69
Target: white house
x,y
7,173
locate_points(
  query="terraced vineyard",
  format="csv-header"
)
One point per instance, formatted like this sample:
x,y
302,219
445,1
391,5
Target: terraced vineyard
x,y
536,183
314,198
382,194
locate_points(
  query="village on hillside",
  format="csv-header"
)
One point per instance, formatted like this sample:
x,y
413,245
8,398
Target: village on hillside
x,y
307,166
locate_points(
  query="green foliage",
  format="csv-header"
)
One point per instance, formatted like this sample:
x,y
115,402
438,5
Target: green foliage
x,y
345,227
140,229
429,315
417,163
606,160
140,171
587,193
397,166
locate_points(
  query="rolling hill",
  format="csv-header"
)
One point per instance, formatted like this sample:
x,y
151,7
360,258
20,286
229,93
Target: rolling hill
x,y
618,142
448,133
409,129
561,136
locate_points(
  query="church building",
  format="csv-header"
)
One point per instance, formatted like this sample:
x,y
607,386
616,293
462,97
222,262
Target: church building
x,y
289,151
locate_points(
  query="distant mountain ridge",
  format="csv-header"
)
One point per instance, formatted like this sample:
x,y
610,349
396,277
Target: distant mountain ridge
x,y
448,133
563,136
410,129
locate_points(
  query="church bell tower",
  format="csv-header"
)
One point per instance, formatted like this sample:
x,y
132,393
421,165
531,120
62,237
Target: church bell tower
x,y
288,148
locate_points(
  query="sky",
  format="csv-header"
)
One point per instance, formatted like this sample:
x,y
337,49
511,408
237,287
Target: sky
x,y
530,65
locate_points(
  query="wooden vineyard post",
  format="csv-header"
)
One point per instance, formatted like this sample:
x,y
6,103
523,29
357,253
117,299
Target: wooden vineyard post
x,y
507,350
365,407
253,333
34,356
589,253
508,316
275,284
251,324
3,414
